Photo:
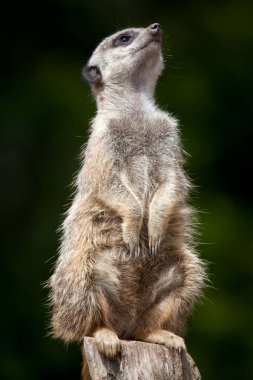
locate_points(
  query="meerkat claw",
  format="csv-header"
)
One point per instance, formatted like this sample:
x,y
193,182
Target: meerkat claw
x,y
154,246
134,250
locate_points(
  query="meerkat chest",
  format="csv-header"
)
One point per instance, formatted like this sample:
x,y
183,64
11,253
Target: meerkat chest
x,y
131,139
142,152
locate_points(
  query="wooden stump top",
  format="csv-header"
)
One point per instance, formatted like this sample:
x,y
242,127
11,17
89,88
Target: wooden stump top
x,y
140,361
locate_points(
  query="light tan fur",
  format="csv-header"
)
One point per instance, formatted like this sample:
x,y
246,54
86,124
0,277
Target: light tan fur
x,y
127,267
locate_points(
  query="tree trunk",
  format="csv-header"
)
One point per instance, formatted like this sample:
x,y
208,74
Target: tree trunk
x,y
140,361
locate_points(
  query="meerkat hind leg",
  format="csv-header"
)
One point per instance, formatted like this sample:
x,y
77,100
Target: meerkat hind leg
x,y
166,338
107,341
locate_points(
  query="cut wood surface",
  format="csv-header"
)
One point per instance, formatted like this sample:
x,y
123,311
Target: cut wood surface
x,y
140,361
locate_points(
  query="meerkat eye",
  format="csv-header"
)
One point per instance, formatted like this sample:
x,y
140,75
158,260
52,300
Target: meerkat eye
x,y
124,39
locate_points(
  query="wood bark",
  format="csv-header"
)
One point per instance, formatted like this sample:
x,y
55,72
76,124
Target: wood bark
x,y
140,361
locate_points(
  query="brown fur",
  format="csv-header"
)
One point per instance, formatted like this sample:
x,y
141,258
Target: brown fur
x,y
127,268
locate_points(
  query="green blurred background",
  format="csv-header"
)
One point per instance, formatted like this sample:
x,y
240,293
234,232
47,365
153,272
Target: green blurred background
x,y
45,110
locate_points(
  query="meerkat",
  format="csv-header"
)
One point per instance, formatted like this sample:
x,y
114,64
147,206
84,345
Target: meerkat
x,y
127,267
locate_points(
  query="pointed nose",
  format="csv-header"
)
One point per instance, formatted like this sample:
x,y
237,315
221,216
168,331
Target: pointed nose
x,y
155,28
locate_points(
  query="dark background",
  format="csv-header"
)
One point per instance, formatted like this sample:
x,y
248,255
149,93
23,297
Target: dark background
x,y
45,111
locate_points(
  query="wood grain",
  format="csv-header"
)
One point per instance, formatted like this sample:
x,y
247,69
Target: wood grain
x,y
140,361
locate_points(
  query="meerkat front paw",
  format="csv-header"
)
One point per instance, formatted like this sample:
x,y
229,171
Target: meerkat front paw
x,y
107,342
167,339
132,239
154,241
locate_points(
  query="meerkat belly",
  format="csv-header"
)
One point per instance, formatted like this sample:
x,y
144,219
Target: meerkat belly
x,y
119,282
130,285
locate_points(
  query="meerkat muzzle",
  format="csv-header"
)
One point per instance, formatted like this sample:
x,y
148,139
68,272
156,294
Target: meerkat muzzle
x,y
155,28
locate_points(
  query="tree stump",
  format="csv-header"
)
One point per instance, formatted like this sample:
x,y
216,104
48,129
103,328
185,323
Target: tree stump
x,y
140,361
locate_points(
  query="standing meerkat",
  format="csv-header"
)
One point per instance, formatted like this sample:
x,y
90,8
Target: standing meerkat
x,y
127,268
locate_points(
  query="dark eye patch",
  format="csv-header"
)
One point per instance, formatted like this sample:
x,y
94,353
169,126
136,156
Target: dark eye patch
x,y
124,39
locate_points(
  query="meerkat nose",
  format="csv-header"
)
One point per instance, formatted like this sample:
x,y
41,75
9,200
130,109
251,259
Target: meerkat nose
x,y
155,28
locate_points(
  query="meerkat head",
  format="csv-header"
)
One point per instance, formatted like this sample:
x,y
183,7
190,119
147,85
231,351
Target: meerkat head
x,y
131,57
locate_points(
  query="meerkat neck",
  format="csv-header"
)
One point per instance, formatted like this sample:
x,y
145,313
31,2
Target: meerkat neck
x,y
118,99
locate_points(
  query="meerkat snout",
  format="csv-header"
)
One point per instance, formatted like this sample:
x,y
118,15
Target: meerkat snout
x,y
156,28
131,57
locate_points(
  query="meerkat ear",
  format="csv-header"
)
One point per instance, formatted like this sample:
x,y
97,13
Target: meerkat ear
x,y
92,74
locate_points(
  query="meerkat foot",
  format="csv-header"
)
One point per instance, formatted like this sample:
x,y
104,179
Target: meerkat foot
x,y
167,339
107,342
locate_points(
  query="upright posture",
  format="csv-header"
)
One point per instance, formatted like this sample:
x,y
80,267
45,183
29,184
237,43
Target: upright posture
x,y
127,268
